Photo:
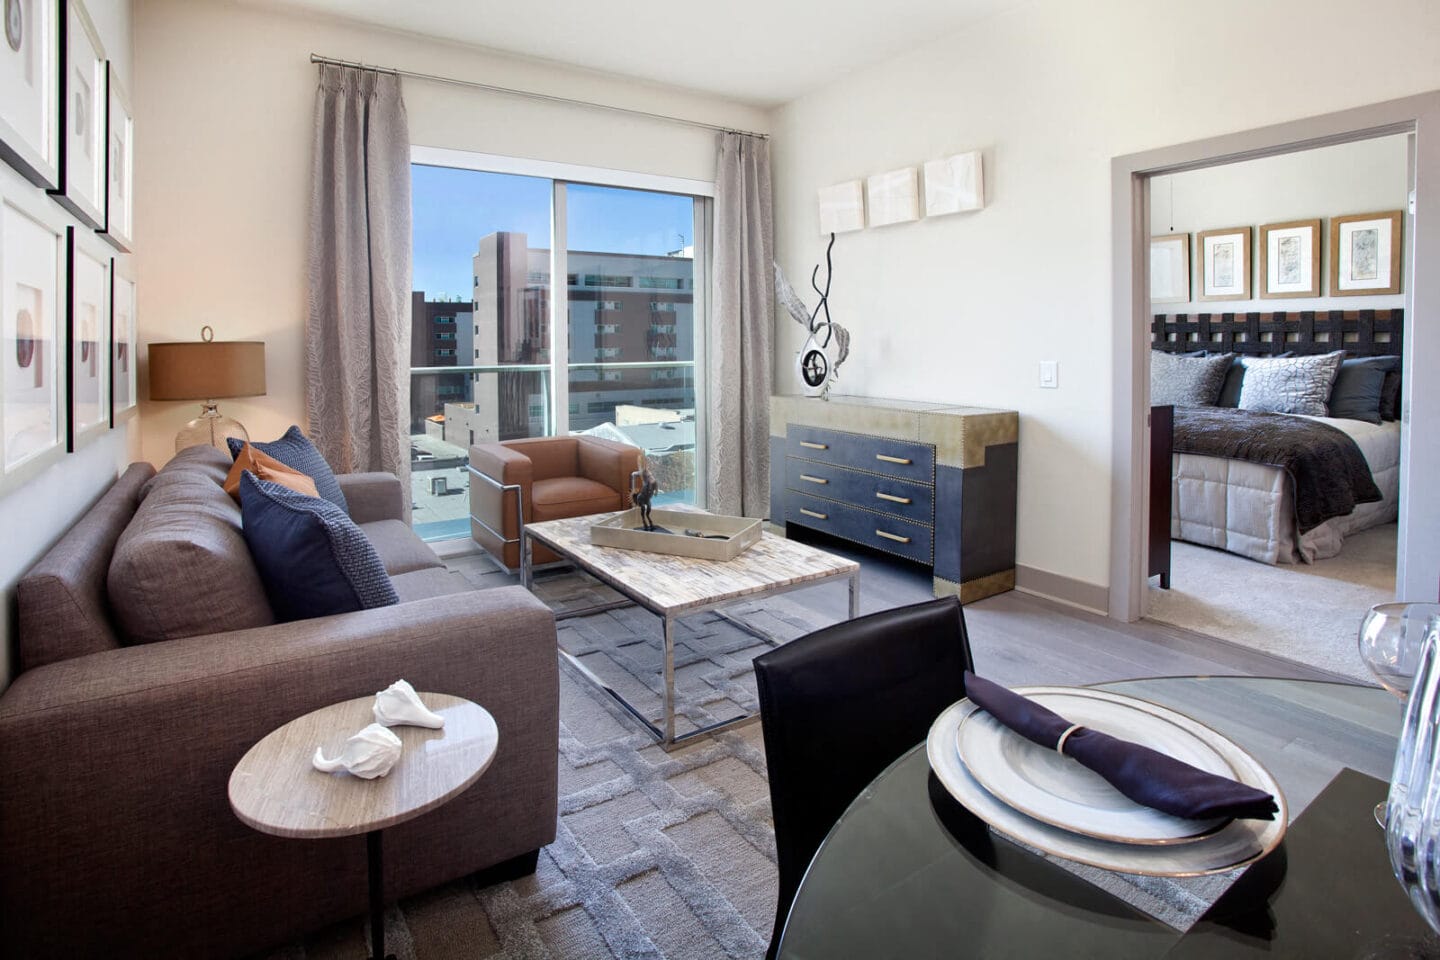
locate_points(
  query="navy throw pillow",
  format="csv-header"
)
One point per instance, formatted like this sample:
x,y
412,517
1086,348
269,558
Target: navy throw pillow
x,y
1390,395
1359,387
312,558
295,450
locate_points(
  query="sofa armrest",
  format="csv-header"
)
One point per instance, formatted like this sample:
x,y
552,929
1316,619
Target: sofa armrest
x,y
114,770
373,496
611,463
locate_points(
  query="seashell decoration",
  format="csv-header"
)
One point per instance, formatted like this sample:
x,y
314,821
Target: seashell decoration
x,y
399,705
369,754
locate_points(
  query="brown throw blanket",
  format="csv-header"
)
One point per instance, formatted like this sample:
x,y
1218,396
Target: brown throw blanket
x,y
1330,474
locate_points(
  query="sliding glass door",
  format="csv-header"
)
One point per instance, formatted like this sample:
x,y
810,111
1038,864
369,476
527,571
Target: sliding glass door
x,y
543,306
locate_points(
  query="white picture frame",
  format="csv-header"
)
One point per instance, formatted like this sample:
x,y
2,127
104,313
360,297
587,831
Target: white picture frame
x,y
119,167
842,207
124,341
88,357
33,426
1224,263
30,90
955,184
84,78
893,197
1170,268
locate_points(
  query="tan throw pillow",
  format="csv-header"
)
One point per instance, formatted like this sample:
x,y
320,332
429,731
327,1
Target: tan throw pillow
x,y
266,467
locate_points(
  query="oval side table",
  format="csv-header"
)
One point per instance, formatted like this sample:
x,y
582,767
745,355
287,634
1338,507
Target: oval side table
x,y
275,789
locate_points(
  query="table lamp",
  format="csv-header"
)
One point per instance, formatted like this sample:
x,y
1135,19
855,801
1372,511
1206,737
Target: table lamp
x,y
205,370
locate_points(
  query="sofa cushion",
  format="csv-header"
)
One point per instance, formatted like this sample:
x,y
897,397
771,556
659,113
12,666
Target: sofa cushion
x,y
62,600
266,467
295,450
571,497
181,568
312,558
399,548
429,584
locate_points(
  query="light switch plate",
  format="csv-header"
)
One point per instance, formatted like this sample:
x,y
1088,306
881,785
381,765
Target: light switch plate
x,y
1049,374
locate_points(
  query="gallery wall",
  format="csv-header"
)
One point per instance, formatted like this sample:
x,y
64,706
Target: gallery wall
x,y
1368,176
34,516
963,308
226,97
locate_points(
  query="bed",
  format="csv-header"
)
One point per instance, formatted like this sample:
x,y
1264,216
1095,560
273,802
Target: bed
x,y
1249,508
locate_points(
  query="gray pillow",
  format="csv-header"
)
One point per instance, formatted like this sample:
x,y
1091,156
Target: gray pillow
x,y
1390,396
1358,386
1186,381
1298,385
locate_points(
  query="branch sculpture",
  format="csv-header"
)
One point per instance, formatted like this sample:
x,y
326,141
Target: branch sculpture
x,y
823,370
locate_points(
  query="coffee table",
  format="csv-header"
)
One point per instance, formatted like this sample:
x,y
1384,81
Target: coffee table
x,y
673,587
275,790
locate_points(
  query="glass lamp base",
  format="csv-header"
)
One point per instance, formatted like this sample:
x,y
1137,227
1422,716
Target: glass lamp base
x,y
211,429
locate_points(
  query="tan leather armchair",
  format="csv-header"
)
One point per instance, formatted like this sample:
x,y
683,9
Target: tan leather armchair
x,y
544,478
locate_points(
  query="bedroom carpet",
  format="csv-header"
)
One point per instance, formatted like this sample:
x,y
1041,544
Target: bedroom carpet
x,y
1308,613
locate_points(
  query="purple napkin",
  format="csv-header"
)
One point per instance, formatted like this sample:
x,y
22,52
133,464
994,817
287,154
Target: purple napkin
x,y
1146,776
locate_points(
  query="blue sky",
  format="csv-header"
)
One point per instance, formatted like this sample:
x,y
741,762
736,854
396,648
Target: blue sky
x,y
452,209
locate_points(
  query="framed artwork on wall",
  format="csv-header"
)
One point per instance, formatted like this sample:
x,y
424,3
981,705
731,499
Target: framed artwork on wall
x,y
83,77
123,336
955,184
32,332
842,208
893,197
1224,263
88,299
1170,268
1290,259
1365,254
119,165
30,90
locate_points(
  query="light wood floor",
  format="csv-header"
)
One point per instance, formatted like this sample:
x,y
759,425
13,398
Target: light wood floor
x,y
1018,638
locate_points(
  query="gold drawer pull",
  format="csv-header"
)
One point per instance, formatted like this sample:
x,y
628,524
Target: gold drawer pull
x,y
891,497
881,456
806,476
812,513
814,446
892,536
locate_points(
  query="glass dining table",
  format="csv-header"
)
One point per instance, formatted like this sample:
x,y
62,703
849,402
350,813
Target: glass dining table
x,y
908,872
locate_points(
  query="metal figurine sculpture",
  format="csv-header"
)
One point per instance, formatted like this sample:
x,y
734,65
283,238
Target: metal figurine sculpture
x,y
818,363
648,489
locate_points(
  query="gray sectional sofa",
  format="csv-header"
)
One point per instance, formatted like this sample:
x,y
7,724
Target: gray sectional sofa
x,y
149,664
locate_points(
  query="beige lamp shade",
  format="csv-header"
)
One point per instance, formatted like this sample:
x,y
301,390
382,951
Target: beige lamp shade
x,y
201,370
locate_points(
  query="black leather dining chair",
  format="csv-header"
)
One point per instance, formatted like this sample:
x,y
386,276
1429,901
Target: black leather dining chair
x,y
837,706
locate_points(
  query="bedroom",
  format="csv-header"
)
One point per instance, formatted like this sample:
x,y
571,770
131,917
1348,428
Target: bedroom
x,y
1249,286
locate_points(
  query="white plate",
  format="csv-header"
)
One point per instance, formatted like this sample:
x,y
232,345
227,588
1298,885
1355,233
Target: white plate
x,y
1237,843
1062,792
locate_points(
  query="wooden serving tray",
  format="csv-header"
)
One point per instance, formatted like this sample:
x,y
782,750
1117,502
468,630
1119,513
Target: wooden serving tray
x,y
623,530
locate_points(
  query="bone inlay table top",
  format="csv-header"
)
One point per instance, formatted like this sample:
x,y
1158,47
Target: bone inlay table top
x,y
670,586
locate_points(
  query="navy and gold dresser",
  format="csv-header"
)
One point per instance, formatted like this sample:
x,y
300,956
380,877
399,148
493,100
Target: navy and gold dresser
x,y
925,481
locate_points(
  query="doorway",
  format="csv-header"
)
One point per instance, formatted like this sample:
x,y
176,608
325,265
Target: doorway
x,y
1417,557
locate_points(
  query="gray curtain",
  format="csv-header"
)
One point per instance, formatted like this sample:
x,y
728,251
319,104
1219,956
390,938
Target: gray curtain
x,y
742,330
357,333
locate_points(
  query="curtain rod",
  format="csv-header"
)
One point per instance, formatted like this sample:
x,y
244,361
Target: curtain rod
x,y
435,78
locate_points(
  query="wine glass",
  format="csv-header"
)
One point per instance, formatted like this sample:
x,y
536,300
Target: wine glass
x,y
1391,636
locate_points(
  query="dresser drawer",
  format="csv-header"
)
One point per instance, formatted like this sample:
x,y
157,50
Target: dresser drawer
x,y
895,458
904,538
902,498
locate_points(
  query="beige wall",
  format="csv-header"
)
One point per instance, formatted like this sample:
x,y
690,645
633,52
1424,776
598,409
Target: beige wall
x,y
963,308
1362,177
225,95
35,515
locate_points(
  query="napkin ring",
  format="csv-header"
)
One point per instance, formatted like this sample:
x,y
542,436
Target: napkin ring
x,y
1060,744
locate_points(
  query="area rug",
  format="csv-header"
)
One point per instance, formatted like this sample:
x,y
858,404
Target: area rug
x,y
656,855
1309,613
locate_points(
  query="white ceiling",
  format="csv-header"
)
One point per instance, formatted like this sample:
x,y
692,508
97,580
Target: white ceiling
x,y
764,52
